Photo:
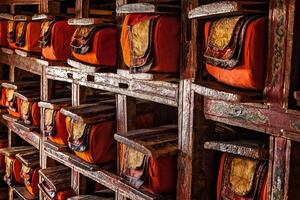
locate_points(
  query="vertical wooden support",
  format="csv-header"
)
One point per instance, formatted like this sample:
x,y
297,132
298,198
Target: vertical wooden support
x,y
281,169
126,115
185,140
44,6
82,8
11,73
10,193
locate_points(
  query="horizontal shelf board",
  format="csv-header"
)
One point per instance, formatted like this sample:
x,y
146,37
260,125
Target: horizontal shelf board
x,y
255,116
219,91
156,91
228,8
31,137
6,16
148,76
148,8
23,193
29,64
83,67
103,177
89,21
242,148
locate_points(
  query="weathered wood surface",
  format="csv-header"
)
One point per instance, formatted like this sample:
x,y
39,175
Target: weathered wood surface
x,y
88,166
58,177
55,147
147,8
42,16
148,76
9,118
55,104
217,91
12,151
90,68
104,177
30,159
22,18
89,21
23,193
152,142
255,116
7,51
28,134
157,91
25,63
90,197
227,8
242,148
21,85
29,95
6,16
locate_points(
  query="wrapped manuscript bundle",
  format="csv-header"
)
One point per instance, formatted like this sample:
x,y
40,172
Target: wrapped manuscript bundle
x,y
150,43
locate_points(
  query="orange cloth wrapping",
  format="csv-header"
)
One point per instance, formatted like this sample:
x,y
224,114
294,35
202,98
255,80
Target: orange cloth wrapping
x,y
13,170
255,189
249,71
32,184
101,145
3,97
35,114
159,49
16,110
30,38
61,132
11,33
59,46
103,48
63,195
3,144
3,33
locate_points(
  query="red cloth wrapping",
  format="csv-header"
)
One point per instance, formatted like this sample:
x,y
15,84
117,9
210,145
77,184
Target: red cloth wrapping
x,y
63,195
249,72
33,186
3,97
61,135
3,33
33,31
16,170
59,48
165,42
103,50
102,146
35,114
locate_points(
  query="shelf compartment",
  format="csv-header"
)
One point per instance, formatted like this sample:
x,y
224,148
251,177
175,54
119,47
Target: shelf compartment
x,y
250,149
219,91
148,8
90,68
12,151
55,104
153,142
30,159
103,177
156,91
23,193
228,8
52,177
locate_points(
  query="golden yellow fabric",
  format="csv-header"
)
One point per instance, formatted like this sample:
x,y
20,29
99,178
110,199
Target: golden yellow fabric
x,y
140,38
8,162
9,94
222,31
25,108
20,28
83,31
135,158
48,116
242,175
25,169
10,26
77,130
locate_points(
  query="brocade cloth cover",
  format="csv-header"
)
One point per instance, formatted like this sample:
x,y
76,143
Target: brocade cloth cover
x,y
150,43
55,39
236,51
27,36
95,45
31,179
241,178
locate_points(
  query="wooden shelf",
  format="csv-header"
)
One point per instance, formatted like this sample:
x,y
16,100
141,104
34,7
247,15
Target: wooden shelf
x,y
32,137
23,193
157,91
29,64
148,8
88,21
103,177
242,148
228,8
219,91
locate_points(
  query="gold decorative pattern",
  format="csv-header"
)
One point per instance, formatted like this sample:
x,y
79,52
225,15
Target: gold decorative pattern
x,y
25,107
135,158
77,130
10,94
140,38
48,116
242,175
222,31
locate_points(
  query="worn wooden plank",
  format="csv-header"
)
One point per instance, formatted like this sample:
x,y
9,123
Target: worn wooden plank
x,y
228,8
55,104
6,16
55,147
12,151
148,76
23,193
30,159
87,22
252,149
83,67
147,8
217,91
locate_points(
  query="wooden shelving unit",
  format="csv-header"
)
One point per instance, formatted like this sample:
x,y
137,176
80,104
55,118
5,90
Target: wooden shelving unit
x,y
200,104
